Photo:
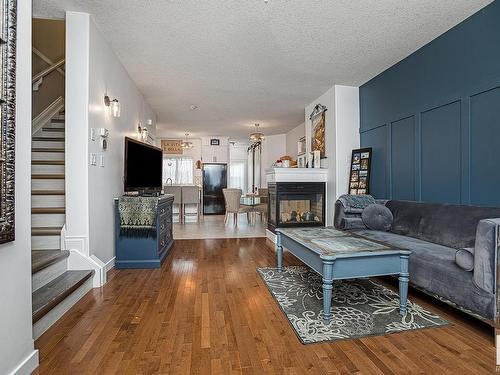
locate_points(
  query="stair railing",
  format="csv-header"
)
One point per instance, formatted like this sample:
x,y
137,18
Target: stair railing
x,y
38,78
47,114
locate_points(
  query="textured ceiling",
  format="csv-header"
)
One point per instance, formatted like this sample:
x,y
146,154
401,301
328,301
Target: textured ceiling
x,y
247,61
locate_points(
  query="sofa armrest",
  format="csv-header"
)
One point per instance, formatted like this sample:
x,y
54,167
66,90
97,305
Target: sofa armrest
x,y
485,254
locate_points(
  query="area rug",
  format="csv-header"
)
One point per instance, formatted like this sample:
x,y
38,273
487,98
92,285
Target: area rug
x,y
360,307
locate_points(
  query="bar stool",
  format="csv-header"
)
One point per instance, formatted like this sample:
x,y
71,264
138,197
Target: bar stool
x,y
176,191
190,195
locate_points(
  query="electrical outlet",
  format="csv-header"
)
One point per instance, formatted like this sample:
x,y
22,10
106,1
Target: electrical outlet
x,y
93,158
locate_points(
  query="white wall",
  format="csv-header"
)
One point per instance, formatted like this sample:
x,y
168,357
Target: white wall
x,y
342,135
292,138
93,70
107,75
77,114
347,132
17,354
273,147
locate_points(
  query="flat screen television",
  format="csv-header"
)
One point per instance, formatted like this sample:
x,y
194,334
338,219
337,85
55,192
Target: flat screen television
x,y
143,166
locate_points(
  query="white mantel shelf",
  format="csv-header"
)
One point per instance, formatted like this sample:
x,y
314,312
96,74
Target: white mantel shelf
x,y
296,175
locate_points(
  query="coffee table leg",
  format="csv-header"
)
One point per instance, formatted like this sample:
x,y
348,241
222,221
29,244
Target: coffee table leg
x,y
404,278
279,252
327,289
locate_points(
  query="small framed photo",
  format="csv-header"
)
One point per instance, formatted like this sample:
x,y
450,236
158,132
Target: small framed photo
x,y
214,142
359,179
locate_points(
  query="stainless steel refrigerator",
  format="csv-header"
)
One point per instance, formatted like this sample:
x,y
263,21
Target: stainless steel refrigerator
x,y
214,180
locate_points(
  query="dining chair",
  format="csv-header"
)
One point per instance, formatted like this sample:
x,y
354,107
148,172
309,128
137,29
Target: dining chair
x,y
233,206
190,196
176,191
261,209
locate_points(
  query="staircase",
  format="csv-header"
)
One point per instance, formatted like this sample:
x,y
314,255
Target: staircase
x,y
55,288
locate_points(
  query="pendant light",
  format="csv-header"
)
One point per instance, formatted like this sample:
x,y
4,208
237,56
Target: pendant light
x,y
256,136
186,144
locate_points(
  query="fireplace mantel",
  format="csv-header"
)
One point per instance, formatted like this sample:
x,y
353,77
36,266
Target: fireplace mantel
x,y
296,175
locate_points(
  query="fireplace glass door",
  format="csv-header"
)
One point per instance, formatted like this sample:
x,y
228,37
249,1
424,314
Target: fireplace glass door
x,y
296,204
303,208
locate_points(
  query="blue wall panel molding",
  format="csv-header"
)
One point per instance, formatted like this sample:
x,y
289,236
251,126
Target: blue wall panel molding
x,y
403,161
441,113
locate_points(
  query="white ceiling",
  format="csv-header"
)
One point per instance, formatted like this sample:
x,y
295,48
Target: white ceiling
x,y
247,61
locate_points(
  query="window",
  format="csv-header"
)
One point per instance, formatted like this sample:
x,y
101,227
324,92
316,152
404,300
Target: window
x,y
237,175
180,170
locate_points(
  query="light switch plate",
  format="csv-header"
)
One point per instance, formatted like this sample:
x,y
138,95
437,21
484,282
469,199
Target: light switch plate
x,y
93,158
92,134
101,160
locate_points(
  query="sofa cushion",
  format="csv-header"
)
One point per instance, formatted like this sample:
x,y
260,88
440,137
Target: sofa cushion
x,y
445,224
432,267
377,217
464,258
485,254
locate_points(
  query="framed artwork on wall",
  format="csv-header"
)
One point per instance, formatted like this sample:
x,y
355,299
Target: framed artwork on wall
x,y
8,25
214,142
317,118
359,175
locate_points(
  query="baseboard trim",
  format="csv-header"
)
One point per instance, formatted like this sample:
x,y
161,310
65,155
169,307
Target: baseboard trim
x,y
28,365
109,265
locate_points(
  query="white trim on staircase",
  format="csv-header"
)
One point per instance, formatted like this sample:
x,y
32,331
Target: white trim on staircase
x,y
28,365
47,114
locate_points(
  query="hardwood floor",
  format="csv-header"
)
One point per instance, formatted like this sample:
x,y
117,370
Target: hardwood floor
x,y
206,311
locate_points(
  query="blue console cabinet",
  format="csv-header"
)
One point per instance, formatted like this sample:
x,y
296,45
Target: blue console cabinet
x,y
146,252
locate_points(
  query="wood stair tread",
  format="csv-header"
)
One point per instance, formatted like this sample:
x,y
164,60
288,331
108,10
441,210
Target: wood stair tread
x,y
48,149
41,259
53,129
48,210
47,176
54,292
45,231
48,192
48,139
58,120
47,162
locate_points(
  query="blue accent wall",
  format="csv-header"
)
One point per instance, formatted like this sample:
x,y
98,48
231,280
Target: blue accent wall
x,y
433,119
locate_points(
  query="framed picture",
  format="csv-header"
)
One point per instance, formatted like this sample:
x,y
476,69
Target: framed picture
x,y
8,9
214,142
359,174
317,118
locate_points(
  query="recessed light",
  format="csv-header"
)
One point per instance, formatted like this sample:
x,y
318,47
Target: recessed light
x,y
192,107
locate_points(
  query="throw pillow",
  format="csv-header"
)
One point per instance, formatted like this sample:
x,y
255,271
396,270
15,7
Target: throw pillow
x,y
377,217
464,258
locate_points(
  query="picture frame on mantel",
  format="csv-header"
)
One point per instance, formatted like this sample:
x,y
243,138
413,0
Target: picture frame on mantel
x,y
359,173
8,9
317,118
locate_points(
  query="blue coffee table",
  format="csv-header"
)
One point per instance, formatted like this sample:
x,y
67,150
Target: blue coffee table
x,y
337,255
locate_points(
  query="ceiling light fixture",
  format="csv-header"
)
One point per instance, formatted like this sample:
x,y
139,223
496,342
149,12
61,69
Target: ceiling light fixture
x,y
256,136
186,144
114,106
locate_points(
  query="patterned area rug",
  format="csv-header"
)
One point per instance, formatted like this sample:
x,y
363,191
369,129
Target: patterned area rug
x,y
360,307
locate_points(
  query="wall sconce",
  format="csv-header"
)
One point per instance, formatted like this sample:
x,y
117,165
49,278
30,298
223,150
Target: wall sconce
x,y
114,106
143,132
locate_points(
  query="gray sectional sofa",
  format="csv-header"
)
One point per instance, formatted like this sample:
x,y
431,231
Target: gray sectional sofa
x,y
434,233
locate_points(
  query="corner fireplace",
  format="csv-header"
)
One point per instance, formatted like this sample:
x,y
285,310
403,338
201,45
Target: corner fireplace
x,y
296,204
